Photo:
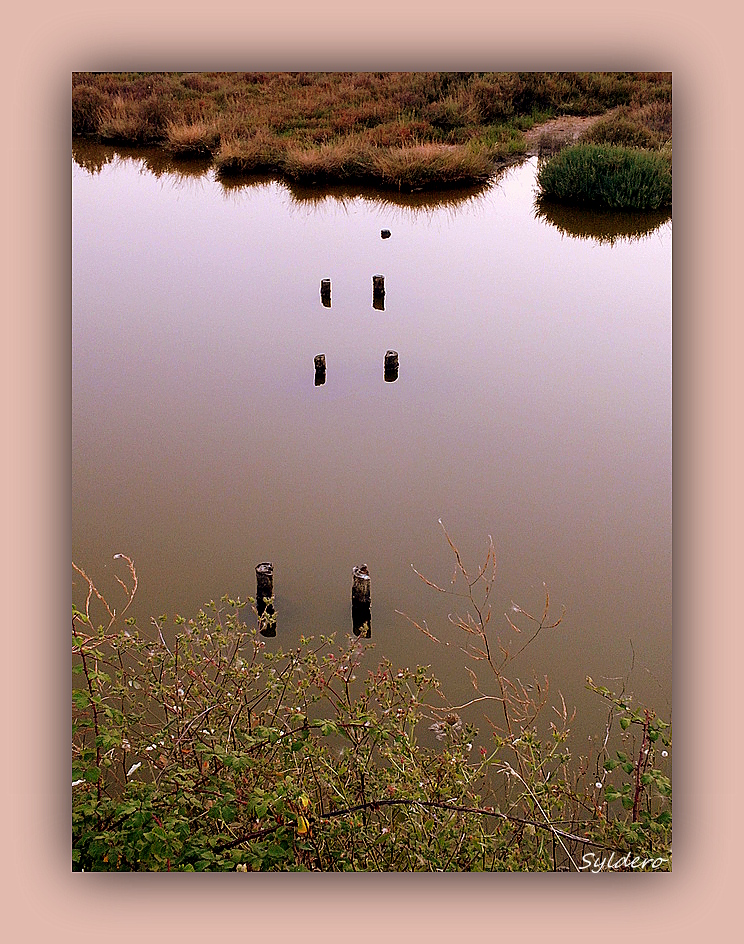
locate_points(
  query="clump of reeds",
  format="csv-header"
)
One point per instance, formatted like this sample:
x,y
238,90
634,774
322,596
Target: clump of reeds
x,y
261,152
645,126
134,121
192,137
606,176
420,166
344,161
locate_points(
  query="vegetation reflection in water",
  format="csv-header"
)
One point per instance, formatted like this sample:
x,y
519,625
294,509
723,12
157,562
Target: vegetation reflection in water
x,y
604,226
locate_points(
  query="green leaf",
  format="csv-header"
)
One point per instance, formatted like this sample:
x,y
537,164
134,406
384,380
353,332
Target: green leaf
x,y
625,723
80,698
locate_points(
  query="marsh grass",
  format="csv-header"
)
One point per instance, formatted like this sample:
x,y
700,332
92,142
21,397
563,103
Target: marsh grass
x,y
399,130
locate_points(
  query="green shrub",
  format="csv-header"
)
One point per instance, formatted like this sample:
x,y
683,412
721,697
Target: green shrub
x,y
605,176
197,748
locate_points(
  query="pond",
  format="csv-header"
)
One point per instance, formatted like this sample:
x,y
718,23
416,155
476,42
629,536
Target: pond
x,y
532,403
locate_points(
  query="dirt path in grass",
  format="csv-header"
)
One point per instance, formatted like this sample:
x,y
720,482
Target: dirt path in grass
x,y
565,126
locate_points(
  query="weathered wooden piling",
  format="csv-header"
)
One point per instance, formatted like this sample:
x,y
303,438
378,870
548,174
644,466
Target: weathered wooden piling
x,y
385,233
361,609
320,369
265,599
325,292
391,366
378,292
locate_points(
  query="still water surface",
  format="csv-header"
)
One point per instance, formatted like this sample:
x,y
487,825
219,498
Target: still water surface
x,y
533,404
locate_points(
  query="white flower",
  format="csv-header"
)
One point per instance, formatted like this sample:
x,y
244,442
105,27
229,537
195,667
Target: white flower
x,y
598,785
133,768
665,753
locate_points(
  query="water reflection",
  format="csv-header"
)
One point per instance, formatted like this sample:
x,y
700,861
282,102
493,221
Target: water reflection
x,y
378,292
520,413
93,157
603,226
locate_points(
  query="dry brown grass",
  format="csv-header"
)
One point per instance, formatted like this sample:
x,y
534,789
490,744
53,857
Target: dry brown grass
x,y
403,130
192,137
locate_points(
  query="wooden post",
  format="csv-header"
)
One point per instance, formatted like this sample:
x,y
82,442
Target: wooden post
x,y
391,366
265,599
320,369
325,292
361,610
378,292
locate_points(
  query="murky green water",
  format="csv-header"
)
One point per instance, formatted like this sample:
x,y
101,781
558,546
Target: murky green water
x,y
532,403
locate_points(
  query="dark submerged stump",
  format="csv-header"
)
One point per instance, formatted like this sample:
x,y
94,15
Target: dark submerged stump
x,y
320,369
361,610
265,599
325,292
391,366
378,292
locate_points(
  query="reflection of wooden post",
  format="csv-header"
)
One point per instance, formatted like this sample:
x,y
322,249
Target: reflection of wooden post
x,y
361,610
325,292
378,292
320,369
265,599
391,366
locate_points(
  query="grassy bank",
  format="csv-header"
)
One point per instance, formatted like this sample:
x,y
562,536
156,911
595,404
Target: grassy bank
x,y
197,746
395,130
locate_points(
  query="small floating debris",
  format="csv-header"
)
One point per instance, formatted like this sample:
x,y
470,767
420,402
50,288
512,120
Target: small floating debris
x,y
385,233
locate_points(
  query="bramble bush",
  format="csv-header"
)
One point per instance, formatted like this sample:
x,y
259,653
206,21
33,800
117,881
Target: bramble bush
x,y
196,748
